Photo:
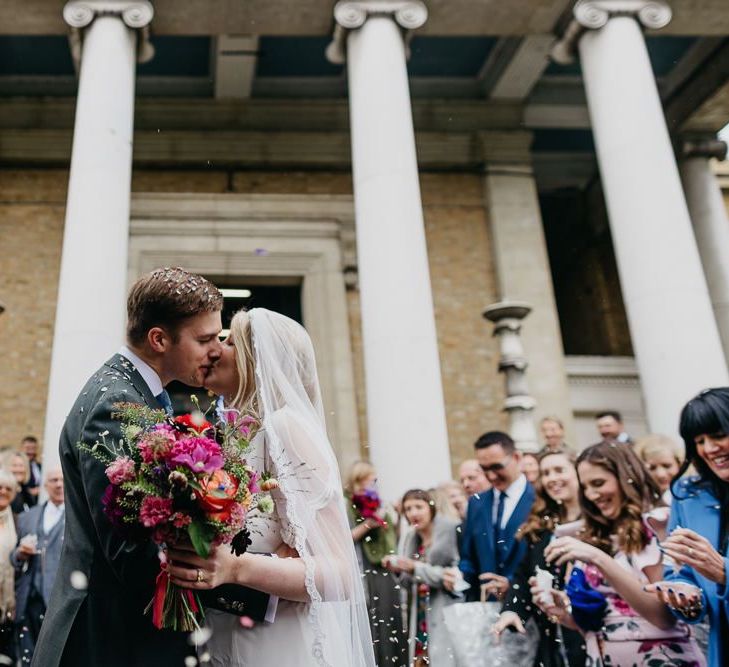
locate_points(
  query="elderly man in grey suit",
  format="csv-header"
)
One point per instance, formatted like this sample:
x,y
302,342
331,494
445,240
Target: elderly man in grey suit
x,y
40,538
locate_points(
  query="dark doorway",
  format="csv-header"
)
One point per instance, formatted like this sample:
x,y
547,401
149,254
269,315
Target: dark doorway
x,y
280,294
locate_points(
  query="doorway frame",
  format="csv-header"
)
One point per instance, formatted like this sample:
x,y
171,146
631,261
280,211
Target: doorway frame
x,y
309,237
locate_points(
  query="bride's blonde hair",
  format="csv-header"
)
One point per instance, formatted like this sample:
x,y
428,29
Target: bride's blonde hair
x,y
240,334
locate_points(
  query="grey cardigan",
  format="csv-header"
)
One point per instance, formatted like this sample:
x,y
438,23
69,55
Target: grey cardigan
x,y
442,553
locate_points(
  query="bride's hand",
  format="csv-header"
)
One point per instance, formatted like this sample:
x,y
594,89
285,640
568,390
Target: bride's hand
x,y
189,570
285,551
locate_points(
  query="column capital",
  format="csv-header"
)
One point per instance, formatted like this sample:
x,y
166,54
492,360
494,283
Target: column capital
x,y
594,14
136,14
705,146
352,14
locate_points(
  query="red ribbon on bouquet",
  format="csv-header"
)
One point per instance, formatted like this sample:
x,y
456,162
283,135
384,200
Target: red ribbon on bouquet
x,y
158,602
160,594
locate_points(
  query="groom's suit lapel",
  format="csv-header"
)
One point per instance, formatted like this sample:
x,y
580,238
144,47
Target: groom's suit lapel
x,y
121,364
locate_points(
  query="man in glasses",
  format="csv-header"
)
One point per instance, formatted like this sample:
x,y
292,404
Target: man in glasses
x,y
490,552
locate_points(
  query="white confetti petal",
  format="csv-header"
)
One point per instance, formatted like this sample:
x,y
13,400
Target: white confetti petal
x,y
201,636
79,580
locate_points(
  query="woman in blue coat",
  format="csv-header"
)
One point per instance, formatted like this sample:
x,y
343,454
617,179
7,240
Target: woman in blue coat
x,y
696,586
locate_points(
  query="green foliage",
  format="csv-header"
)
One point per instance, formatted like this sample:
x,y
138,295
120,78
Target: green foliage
x,y
201,536
137,414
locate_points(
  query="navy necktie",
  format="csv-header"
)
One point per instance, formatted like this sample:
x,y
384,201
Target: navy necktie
x,y
165,401
499,518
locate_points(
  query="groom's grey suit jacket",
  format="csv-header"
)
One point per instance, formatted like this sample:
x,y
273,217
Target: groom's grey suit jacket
x,y
103,623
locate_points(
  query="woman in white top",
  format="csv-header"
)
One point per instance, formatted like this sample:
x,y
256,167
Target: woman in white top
x,y
268,367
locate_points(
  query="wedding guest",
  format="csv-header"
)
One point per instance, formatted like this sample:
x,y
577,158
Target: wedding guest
x,y
428,548
552,430
556,504
610,427
451,500
616,556
29,446
695,583
374,534
36,558
8,538
17,464
473,479
530,466
662,457
490,550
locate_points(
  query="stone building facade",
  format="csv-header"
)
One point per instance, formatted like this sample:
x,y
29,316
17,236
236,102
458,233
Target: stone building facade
x,y
270,145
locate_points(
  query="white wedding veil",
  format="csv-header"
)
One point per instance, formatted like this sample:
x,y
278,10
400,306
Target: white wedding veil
x,y
314,515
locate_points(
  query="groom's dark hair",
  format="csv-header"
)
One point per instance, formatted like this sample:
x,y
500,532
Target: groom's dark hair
x,y
166,298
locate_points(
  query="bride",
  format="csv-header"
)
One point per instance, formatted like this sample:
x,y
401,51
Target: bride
x,y
268,367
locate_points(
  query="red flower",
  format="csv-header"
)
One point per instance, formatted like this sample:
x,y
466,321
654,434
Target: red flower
x,y
196,423
217,497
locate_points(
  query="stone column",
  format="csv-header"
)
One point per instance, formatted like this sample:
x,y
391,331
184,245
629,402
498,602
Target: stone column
x,y
709,218
90,311
507,317
522,265
408,439
674,333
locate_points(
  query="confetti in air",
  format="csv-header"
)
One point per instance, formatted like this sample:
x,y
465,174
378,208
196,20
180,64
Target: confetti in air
x,y
200,636
79,580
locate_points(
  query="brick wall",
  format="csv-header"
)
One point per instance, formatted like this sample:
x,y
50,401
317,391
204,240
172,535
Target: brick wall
x,y
31,223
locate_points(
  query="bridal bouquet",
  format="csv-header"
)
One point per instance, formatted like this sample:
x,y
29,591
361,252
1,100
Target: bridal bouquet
x,y
180,479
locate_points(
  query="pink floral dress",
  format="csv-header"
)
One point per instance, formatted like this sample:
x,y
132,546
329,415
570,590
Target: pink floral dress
x,y
628,640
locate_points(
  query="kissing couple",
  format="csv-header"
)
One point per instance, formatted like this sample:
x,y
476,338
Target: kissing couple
x,y
299,580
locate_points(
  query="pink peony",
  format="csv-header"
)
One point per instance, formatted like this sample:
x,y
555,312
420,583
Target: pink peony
x,y
155,511
156,445
197,454
121,470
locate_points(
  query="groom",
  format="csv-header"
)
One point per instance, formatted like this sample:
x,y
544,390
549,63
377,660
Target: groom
x,y
96,611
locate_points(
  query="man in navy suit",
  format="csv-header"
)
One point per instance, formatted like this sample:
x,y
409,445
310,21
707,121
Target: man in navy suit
x,y
490,551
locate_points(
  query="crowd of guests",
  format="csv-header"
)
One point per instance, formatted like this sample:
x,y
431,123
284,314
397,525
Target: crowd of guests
x,y
31,537
616,555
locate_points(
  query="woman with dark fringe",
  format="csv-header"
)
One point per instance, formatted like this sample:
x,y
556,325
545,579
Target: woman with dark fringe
x,y
695,586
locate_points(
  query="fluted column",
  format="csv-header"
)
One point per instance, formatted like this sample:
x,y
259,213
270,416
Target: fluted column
x,y
709,218
90,311
408,440
672,326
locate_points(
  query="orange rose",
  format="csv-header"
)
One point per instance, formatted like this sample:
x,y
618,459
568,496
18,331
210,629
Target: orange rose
x,y
217,496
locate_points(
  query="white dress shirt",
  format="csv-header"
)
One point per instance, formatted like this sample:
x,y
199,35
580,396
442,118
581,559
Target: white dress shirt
x,y
51,516
513,496
149,375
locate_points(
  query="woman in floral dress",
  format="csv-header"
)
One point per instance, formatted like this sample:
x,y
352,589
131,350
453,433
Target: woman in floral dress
x,y
616,554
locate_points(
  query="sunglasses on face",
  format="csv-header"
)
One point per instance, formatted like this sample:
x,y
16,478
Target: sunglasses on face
x,y
497,467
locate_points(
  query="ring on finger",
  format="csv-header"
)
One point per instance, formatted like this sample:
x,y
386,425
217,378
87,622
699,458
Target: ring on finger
x,y
200,576
690,552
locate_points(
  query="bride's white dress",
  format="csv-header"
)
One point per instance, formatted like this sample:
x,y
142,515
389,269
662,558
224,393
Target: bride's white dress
x,y
331,630
283,643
